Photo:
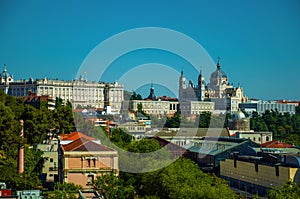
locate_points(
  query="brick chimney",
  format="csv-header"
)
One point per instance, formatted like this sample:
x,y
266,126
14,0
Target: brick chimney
x,y
21,151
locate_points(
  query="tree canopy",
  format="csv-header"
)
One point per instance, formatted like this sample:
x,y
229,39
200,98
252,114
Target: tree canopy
x,y
38,123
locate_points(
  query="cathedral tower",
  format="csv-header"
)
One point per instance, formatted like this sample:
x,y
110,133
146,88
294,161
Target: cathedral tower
x,y
201,86
182,85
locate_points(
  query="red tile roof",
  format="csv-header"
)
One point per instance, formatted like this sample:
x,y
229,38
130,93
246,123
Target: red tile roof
x,y
74,136
276,144
84,144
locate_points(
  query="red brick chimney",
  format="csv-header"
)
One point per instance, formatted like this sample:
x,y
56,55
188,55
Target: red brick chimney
x,y
21,151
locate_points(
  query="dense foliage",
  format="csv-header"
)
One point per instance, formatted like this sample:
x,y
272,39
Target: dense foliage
x,y
204,120
285,127
38,123
290,190
64,190
181,179
135,96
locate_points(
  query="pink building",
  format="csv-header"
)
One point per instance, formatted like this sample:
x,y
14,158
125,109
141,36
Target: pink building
x,y
84,160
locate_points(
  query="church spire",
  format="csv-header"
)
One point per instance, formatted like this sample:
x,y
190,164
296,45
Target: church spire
x,y
4,69
181,71
218,64
201,70
151,95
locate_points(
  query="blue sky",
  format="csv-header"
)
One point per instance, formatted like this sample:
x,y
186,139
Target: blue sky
x,y
258,41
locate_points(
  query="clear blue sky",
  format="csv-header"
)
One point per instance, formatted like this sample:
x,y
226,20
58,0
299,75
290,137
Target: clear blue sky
x,y
258,41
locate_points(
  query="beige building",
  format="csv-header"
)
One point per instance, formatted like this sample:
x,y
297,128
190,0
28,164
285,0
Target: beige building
x,y
186,136
156,107
50,170
257,137
79,92
84,160
135,129
196,107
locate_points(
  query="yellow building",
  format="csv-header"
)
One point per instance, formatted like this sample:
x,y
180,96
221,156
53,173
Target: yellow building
x,y
250,175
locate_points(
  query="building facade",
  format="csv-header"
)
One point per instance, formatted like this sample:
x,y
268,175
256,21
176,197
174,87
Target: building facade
x,y
79,92
196,107
260,107
252,176
257,137
218,90
39,101
50,170
83,160
155,107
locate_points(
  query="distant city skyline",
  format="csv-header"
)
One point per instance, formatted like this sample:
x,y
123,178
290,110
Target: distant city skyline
x,y
258,41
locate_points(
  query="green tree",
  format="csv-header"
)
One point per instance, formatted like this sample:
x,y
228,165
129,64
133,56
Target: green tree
x,y
136,96
36,126
120,138
184,179
65,190
290,190
63,118
204,119
9,130
173,122
33,164
111,186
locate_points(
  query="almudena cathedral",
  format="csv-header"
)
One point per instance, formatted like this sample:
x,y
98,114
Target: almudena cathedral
x,y
79,92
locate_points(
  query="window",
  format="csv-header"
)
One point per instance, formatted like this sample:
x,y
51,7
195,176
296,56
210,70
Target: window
x,y
256,166
94,162
51,159
88,162
277,170
90,179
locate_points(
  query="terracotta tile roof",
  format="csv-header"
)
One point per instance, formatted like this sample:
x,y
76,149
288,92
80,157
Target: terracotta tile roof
x,y
75,136
83,144
276,144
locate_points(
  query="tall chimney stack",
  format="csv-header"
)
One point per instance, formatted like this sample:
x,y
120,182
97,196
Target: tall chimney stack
x,y
21,151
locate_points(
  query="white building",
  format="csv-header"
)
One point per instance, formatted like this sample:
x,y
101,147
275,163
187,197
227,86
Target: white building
x,y
196,107
155,107
260,107
79,92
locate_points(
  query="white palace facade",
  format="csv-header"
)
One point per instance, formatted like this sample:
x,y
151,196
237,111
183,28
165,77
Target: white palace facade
x,y
78,92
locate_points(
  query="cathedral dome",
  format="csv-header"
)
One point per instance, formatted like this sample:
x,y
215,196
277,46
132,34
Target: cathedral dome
x,y
218,77
5,74
218,74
